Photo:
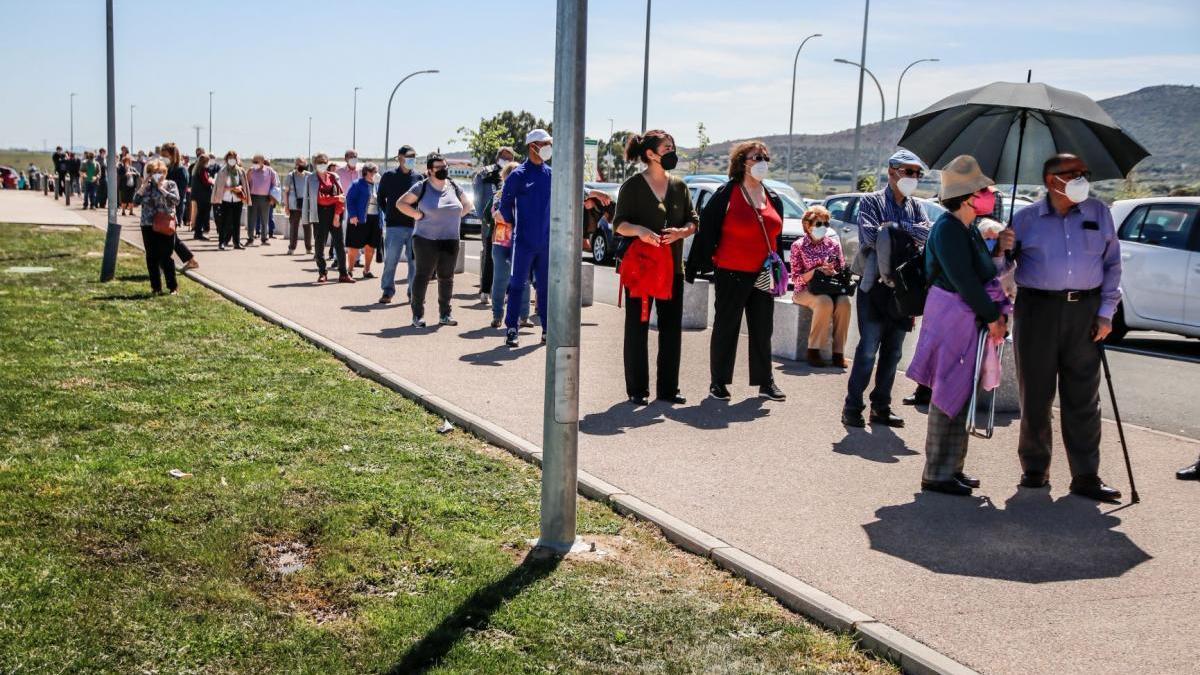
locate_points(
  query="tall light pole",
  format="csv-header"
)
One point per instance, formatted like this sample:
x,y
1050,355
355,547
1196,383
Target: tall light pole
x,y
560,416
858,109
210,145
902,74
197,127
354,126
792,104
310,137
646,68
71,136
112,237
387,127
882,110
132,149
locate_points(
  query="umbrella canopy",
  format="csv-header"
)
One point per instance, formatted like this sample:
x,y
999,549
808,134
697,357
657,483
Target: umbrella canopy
x,y
1003,121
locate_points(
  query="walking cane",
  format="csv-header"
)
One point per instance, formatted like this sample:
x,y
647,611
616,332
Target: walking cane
x,y
1133,493
972,414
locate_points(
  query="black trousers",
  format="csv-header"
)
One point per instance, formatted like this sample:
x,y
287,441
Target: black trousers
x,y
327,232
230,224
670,339
433,256
485,263
203,209
1055,351
735,297
158,249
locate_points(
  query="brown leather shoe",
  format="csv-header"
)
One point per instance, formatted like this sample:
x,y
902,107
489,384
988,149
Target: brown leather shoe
x,y
839,361
813,356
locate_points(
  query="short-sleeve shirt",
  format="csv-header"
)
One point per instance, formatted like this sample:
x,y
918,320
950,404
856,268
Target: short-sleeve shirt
x,y
442,210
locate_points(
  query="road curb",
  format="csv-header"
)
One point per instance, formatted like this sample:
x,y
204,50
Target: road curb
x,y
872,635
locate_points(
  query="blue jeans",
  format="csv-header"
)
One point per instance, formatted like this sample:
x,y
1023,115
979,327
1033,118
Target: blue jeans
x,y
877,336
525,260
89,194
501,271
395,240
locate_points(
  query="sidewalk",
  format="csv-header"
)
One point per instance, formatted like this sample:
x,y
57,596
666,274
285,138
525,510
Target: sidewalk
x,y
1013,581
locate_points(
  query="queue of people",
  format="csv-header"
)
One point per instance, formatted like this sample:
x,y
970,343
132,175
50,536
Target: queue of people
x,y
1052,278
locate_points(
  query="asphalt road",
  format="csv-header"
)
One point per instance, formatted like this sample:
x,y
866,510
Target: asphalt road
x,y
1156,375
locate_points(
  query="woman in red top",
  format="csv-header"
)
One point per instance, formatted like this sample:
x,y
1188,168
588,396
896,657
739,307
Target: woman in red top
x,y
739,228
330,203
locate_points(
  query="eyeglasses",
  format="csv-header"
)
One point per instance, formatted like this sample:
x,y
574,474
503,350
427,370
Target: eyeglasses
x,y
817,223
1074,173
758,158
911,173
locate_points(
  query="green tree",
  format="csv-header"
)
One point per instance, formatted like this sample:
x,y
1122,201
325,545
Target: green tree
x,y
1131,188
505,128
703,141
613,166
815,187
866,183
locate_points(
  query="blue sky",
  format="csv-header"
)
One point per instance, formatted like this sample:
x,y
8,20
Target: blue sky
x,y
727,64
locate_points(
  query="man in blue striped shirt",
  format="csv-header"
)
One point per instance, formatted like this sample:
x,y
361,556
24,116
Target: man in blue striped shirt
x,y
879,336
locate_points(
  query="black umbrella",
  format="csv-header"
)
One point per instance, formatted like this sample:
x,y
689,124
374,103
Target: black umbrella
x,y
1012,128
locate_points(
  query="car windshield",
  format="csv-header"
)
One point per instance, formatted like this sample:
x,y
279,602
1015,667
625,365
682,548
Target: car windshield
x,y
790,208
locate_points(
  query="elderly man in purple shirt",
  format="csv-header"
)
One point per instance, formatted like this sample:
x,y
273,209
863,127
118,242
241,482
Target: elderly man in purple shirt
x,y
1068,275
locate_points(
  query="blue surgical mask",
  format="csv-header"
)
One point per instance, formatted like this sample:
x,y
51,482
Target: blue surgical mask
x,y
410,163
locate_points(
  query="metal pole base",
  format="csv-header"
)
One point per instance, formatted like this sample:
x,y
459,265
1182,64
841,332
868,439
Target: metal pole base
x,y
562,548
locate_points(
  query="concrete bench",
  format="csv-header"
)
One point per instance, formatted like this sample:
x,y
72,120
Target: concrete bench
x,y
695,306
460,265
789,339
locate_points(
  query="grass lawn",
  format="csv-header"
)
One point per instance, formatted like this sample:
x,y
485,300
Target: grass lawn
x,y
325,527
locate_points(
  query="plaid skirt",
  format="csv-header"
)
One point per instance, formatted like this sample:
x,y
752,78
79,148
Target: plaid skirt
x,y
945,444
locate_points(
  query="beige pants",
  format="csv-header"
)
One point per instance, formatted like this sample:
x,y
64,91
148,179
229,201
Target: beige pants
x,y
826,313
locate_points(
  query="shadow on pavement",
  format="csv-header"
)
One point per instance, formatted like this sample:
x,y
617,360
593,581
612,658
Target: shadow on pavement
x,y
474,614
1033,539
372,307
880,444
500,354
482,333
802,369
708,414
304,284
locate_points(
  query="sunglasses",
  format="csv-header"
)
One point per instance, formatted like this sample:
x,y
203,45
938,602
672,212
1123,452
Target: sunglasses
x,y
1074,173
758,158
910,173
817,222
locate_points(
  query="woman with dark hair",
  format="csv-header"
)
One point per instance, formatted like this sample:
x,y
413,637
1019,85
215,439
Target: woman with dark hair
x,y
965,294
655,208
436,205
739,230
127,177
362,222
202,188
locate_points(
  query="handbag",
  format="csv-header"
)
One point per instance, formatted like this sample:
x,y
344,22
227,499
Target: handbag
x,y
164,223
772,278
833,285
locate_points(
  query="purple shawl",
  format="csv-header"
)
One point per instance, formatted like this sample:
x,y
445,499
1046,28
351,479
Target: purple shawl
x,y
946,349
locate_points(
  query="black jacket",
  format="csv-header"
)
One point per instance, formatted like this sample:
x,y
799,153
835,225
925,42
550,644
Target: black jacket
x,y
708,235
392,186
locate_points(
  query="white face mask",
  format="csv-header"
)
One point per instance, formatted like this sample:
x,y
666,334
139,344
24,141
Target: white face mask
x,y
158,176
410,163
760,170
321,168
1077,190
503,162
907,185
545,152
353,162
258,165
231,162
818,233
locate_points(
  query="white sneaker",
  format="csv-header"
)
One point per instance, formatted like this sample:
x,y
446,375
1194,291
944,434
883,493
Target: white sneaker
x,y
485,299
418,323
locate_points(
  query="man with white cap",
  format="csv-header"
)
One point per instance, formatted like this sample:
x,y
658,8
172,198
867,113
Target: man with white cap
x,y
525,202
881,336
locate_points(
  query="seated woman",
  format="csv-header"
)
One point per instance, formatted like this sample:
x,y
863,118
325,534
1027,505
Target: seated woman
x,y
964,294
817,253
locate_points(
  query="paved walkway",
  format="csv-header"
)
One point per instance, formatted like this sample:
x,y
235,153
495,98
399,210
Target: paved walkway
x,y
1012,581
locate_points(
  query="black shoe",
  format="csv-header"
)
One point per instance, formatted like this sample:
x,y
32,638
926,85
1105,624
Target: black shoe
x,y
639,401
385,300
918,397
201,237
772,392
969,481
673,399
949,487
853,418
220,247
239,247
1034,480
719,392
887,418
510,338
1094,488
1189,473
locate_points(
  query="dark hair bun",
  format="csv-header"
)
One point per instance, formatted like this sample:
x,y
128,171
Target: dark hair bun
x,y
633,147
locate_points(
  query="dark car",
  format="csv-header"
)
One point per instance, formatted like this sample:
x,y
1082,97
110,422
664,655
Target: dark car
x,y
8,177
598,235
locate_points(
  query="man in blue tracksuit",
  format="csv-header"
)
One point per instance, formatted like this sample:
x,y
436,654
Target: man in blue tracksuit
x,y
525,202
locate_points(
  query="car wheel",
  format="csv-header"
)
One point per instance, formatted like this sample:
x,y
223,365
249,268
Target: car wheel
x,y
1119,328
599,249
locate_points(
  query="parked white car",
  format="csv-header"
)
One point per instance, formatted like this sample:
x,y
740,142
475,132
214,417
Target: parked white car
x,y
793,228
1160,265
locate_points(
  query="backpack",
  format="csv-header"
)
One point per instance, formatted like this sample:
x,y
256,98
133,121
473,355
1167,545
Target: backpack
x,y
905,299
647,272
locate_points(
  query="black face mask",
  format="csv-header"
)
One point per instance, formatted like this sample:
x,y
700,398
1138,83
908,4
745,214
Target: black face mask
x,y
441,174
670,160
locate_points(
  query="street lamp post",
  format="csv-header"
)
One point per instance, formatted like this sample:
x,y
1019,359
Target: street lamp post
x,y
646,68
310,137
882,109
197,127
71,135
132,149
354,126
560,417
210,145
901,81
858,108
112,236
792,104
387,127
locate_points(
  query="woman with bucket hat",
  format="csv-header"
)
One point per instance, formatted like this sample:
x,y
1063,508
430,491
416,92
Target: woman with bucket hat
x,y
964,294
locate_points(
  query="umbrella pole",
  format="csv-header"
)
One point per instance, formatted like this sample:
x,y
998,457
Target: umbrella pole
x,y
1017,169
